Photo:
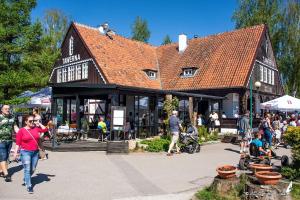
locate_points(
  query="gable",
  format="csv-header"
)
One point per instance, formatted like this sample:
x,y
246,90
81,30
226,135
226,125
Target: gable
x,y
75,63
265,69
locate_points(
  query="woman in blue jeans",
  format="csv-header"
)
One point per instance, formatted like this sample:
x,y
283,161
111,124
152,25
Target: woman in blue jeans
x,y
267,129
28,140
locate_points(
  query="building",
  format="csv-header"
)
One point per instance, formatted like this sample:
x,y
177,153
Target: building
x,y
99,69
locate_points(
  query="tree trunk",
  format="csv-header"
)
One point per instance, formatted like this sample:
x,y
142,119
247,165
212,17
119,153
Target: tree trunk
x,y
5,93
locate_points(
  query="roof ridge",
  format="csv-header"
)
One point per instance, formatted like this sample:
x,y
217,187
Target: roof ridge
x,y
129,39
228,32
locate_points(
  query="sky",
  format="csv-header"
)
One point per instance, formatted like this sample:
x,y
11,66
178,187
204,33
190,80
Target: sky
x,y
172,17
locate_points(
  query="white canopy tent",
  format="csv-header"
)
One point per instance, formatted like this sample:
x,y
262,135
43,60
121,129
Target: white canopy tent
x,y
285,103
41,99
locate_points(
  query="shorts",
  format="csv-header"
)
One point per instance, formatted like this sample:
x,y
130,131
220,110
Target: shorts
x,y
243,136
5,147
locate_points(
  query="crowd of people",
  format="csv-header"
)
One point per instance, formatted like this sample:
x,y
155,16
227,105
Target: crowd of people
x,y
270,131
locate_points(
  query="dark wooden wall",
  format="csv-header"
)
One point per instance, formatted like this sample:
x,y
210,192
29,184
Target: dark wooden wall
x,y
79,48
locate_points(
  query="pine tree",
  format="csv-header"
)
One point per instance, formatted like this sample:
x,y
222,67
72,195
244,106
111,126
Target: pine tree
x,y
166,40
140,30
19,39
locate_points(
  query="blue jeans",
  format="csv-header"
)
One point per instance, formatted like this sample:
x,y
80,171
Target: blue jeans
x,y
5,147
29,161
268,136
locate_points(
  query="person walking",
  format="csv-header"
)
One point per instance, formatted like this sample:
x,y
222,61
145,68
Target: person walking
x,y
7,126
175,126
244,131
29,143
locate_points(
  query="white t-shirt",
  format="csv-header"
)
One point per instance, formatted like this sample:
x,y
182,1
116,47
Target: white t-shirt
x,y
199,121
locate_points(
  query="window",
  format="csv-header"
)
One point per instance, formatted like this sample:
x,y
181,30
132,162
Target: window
x,y
269,76
261,69
78,72
152,74
65,73
273,78
71,73
58,75
265,75
71,46
85,70
188,72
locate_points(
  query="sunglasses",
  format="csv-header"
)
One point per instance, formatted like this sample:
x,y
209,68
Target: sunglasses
x,y
31,121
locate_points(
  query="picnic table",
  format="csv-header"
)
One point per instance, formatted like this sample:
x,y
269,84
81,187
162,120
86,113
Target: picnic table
x,y
67,133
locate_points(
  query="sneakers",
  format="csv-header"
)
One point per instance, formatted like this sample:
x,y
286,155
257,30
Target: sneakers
x,y
169,154
1,174
7,178
30,190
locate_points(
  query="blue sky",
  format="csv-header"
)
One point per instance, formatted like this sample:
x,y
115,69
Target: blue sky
x,y
172,17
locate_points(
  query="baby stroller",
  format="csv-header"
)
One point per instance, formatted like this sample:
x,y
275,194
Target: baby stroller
x,y
255,157
189,140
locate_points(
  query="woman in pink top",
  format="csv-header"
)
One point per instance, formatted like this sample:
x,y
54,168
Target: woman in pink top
x,y
28,140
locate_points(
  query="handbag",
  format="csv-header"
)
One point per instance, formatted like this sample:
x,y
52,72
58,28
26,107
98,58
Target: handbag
x,y
217,122
42,153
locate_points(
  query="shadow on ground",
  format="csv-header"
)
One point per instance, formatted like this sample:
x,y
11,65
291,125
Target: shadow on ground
x,y
233,150
40,178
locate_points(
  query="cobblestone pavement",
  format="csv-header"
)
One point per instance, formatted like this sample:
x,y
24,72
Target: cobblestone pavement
x,y
137,176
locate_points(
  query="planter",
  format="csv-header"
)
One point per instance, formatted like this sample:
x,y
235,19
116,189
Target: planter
x,y
226,171
260,168
268,178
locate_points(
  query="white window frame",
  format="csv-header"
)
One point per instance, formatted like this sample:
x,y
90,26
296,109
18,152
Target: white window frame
x,y
64,74
188,72
58,75
85,70
71,46
71,75
273,77
78,72
269,76
265,75
261,69
152,74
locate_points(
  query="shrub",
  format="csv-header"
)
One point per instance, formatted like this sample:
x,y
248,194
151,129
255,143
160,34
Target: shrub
x,y
296,191
292,137
203,133
290,173
156,145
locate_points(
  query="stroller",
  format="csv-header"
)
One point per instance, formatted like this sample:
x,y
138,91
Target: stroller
x,y
189,140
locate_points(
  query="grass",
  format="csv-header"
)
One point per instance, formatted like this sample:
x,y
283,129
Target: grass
x,y
296,192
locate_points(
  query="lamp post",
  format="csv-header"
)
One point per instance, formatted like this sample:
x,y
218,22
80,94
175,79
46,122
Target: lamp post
x,y
257,85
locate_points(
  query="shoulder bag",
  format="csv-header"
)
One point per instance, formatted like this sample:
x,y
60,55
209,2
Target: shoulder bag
x,y
42,154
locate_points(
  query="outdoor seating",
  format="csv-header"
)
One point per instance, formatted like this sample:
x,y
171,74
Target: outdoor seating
x,y
67,133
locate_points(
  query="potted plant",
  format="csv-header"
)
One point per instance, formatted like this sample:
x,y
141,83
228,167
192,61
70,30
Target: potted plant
x,y
268,178
257,167
226,171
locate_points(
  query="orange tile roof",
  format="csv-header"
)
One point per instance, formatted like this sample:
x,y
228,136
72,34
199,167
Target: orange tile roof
x,y
223,60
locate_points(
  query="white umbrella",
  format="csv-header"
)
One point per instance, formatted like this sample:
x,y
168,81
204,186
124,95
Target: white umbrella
x,y
285,103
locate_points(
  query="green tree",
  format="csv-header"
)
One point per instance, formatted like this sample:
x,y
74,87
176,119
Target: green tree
x,y
166,40
19,40
140,30
283,20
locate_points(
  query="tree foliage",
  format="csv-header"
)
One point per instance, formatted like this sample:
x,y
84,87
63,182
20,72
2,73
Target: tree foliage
x,y
140,31
283,20
166,40
28,49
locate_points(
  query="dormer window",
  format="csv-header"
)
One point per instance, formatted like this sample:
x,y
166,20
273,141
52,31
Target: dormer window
x,y
151,73
189,71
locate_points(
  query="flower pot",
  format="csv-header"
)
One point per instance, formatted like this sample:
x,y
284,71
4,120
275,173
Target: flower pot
x,y
260,168
226,171
268,178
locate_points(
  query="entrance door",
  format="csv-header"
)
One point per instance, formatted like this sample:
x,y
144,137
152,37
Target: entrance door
x,y
203,108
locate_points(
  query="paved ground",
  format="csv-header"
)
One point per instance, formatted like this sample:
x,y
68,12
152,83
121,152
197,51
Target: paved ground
x,y
137,176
